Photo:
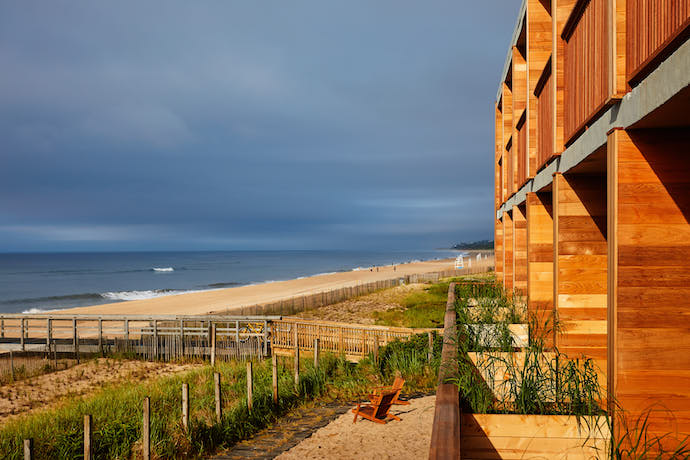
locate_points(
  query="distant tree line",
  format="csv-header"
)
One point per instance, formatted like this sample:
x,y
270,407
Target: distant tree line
x,y
481,244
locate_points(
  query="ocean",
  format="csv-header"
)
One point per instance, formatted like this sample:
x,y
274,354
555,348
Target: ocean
x,y
34,283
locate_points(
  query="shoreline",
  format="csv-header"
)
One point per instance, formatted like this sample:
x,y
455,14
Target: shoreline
x,y
205,301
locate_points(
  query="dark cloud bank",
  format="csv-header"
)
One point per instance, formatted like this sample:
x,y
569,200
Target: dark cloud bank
x,y
258,125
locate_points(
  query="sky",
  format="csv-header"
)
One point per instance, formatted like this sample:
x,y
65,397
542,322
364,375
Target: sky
x,y
214,125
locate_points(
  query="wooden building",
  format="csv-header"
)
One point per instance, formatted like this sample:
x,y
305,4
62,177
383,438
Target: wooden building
x,y
592,192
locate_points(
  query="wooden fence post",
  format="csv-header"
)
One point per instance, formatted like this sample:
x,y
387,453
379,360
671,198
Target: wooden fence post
x,y
430,353
182,337
146,429
28,449
100,336
296,367
376,349
316,353
74,338
21,341
12,365
213,344
219,406
155,340
185,406
364,343
49,334
88,430
341,342
127,332
250,386
274,362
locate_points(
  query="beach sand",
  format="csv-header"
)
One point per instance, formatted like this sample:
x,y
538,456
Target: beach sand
x,y
342,439
196,303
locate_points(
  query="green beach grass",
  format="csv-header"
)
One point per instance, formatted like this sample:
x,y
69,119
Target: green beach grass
x,y
117,409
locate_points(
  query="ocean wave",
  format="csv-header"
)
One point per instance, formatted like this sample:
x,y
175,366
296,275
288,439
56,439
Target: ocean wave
x,y
141,295
163,269
37,311
222,285
56,298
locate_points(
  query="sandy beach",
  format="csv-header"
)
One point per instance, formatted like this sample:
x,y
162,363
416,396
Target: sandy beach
x,y
408,438
227,299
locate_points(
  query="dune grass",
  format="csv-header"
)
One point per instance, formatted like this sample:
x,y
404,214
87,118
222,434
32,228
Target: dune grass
x,y
421,309
117,409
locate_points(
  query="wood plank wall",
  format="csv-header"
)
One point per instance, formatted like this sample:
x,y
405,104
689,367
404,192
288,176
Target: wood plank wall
x,y
540,263
650,295
651,26
498,250
520,249
539,43
581,265
586,66
508,251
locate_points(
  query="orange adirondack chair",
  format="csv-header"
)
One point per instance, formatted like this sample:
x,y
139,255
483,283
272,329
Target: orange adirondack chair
x,y
378,410
397,385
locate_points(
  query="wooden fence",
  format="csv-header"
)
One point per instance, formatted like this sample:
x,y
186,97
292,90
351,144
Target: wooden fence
x,y
152,337
351,340
294,305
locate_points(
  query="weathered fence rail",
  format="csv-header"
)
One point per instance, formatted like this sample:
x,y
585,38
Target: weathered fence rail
x,y
352,340
152,337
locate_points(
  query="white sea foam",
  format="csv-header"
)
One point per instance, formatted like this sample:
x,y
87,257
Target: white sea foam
x,y
163,269
140,295
37,311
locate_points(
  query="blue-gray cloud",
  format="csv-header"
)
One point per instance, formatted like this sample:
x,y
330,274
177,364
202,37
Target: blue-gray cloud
x,y
228,125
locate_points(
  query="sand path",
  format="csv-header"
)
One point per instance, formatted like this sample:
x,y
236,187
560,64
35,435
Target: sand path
x,y
236,297
341,439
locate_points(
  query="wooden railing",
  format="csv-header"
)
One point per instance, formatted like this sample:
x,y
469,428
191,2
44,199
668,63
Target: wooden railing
x,y
351,340
586,67
151,336
654,29
445,434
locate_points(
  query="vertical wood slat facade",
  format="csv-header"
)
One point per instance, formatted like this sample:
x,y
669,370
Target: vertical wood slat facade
x,y
545,120
539,43
522,153
651,27
586,66
510,168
